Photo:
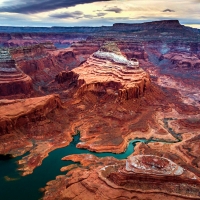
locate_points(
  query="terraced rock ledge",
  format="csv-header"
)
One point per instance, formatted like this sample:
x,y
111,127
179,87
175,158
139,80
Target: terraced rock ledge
x,y
12,80
112,73
149,173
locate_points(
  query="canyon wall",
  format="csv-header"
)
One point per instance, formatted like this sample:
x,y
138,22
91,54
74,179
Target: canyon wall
x,y
18,113
12,80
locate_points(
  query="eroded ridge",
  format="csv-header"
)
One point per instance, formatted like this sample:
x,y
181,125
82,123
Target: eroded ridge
x,y
12,80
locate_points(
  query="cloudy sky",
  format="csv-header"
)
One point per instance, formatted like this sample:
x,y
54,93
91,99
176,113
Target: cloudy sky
x,y
96,12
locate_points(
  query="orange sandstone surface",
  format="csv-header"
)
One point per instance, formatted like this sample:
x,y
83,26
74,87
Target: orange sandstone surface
x,y
121,101
104,76
138,177
110,100
32,125
167,169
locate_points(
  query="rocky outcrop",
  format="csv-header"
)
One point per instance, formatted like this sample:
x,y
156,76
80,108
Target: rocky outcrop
x,y
69,77
187,61
110,72
12,80
164,175
17,113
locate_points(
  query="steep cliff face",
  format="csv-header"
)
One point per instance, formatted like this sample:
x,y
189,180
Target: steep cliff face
x,y
12,80
15,86
33,58
41,62
69,77
19,113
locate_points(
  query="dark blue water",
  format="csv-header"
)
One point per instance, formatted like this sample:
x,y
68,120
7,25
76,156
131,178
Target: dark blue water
x,y
27,188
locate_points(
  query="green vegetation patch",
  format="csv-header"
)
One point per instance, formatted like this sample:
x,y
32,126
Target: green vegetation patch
x,y
110,47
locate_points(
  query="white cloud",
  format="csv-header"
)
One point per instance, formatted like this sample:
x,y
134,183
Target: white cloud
x,y
127,11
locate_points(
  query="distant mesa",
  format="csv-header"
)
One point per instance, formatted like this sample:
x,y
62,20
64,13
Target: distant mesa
x,y
163,24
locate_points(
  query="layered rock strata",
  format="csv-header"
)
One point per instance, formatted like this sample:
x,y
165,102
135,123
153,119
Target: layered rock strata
x,y
35,58
111,72
12,80
164,175
17,113
187,61
41,62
